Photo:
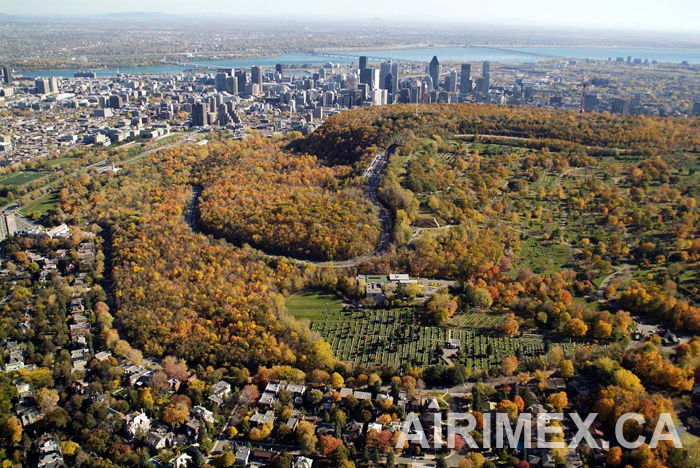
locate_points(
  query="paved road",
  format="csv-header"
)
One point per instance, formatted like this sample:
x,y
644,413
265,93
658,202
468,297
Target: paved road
x,y
191,218
619,271
373,174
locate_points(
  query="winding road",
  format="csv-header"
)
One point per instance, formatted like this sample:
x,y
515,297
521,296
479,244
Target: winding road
x,y
373,174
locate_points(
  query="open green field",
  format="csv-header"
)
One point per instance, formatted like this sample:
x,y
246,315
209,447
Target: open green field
x,y
21,178
42,205
57,161
315,305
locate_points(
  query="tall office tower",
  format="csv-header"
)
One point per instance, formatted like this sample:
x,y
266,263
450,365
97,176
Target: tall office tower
x,y
590,101
388,83
256,75
435,71
465,86
42,86
53,84
414,94
424,92
480,85
363,62
116,102
232,85
242,80
395,75
620,106
211,103
453,81
428,81
384,70
220,81
486,74
370,77
199,114
7,75
279,68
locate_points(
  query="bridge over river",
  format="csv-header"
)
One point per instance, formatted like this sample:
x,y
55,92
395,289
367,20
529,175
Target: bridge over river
x,y
493,49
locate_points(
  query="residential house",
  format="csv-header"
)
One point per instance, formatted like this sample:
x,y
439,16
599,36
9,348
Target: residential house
x,y
50,455
353,429
135,422
160,439
220,391
182,461
260,419
242,456
302,462
203,414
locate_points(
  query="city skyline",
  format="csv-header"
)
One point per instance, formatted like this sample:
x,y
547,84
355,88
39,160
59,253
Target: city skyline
x,y
675,16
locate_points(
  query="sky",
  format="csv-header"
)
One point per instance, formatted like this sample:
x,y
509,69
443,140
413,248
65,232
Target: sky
x,y
659,15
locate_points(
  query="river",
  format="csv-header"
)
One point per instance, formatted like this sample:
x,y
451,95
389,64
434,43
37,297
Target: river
x,y
444,54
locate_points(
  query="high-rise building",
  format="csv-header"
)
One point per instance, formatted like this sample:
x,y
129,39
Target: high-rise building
x,y
220,81
384,70
425,92
363,62
42,86
116,102
199,114
389,83
256,75
242,80
620,106
465,86
232,85
7,75
279,68
53,85
452,88
480,85
435,71
696,109
590,101
395,76
486,74
414,94
370,77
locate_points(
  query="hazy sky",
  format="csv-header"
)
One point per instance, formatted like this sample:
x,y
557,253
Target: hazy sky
x,y
673,15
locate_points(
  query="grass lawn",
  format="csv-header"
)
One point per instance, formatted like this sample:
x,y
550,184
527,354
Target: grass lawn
x,y
477,319
543,257
42,204
315,305
21,178
57,161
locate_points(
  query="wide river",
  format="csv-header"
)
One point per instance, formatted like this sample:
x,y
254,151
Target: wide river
x,y
444,54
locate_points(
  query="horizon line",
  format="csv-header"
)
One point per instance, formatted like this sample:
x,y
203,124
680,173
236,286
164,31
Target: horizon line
x,y
411,19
